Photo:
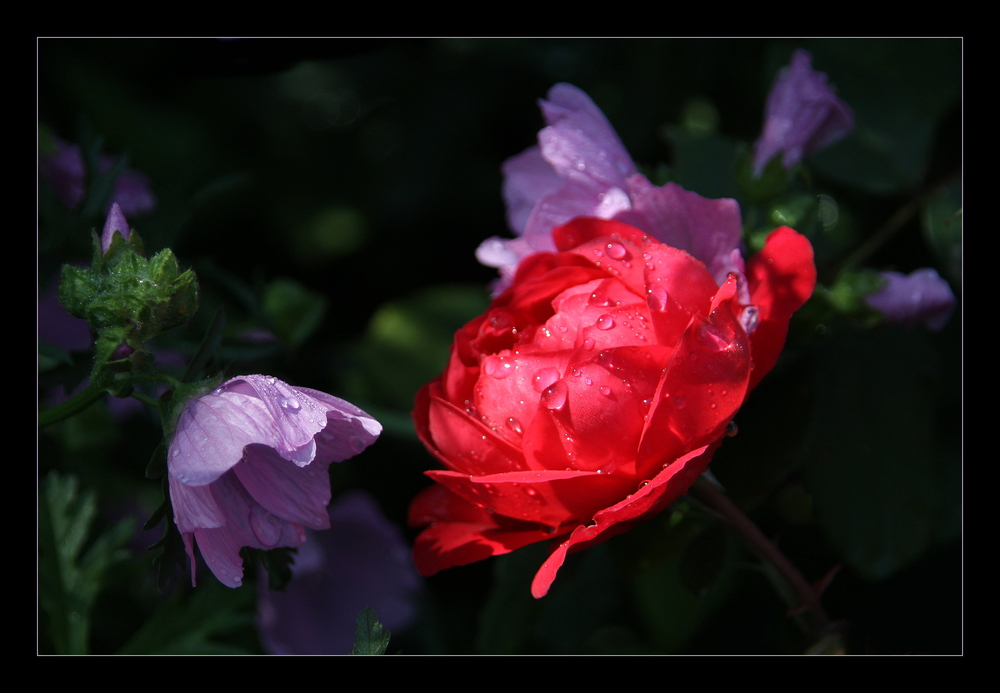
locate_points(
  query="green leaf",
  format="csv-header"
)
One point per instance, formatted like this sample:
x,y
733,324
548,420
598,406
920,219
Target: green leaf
x,y
898,90
369,636
293,310
69,578
408,341
870,464
942,225
192,620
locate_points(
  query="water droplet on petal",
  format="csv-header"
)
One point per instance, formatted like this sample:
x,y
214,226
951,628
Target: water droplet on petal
x,y
293,404
732,429
605,390
605,322
656,298
555,396
616,250
175,453
588,343
544,378
515,425
711,337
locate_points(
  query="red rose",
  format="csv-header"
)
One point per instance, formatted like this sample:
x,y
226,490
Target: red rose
x,y
593,391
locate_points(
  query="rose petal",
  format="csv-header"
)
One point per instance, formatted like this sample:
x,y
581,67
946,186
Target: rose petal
x,y
647,500
782,277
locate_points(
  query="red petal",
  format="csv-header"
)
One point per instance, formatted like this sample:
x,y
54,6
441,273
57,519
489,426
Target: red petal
x,y
703,387
782,277
661,491
550,497
462,533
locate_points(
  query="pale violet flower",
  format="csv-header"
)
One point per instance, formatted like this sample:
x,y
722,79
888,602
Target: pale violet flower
x,y
248,467
803,115
580,168
115,222
363,561
922,297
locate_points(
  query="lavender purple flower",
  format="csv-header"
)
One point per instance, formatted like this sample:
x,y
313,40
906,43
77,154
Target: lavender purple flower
x,y
362,561
116,221
909,300
581,168
66,172
802,115
248,467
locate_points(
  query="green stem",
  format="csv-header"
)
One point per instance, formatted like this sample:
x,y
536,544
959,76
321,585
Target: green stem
x,y
896,222
74,405
802,596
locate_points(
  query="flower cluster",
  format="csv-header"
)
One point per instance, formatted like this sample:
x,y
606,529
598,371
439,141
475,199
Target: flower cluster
x,y
625,335
593,391
248,467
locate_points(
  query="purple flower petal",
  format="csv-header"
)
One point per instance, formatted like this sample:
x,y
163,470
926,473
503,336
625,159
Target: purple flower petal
x,y
116,221
363,561
803,115
248,466
922,297
66,171
581,169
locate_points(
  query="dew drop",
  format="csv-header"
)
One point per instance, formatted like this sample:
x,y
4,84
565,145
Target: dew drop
x,y
616,250
515,425
544,378
605,322
269,380
588,381
588,343
576,372
175,453
605,358
732,429
598,252
293,404
605,390
555,396
711,337
656,298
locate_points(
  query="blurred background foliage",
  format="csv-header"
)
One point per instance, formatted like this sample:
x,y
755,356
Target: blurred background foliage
x,y
331,193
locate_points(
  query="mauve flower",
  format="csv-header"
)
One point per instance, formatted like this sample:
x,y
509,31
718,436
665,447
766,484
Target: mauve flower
x,y
248,467
66,172
581,169
116,221
802,115
363,561
922,297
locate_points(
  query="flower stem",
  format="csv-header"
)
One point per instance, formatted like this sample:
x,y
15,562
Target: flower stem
x,y
803,598
74,405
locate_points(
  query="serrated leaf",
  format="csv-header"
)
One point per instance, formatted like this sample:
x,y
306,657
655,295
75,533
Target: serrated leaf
x,y
68,581
370,638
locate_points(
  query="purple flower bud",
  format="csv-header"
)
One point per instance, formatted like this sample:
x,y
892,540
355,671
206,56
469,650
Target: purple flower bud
x,y
66,172
248,467
362,561
582,169
115,222
922,297
803,115
122,351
